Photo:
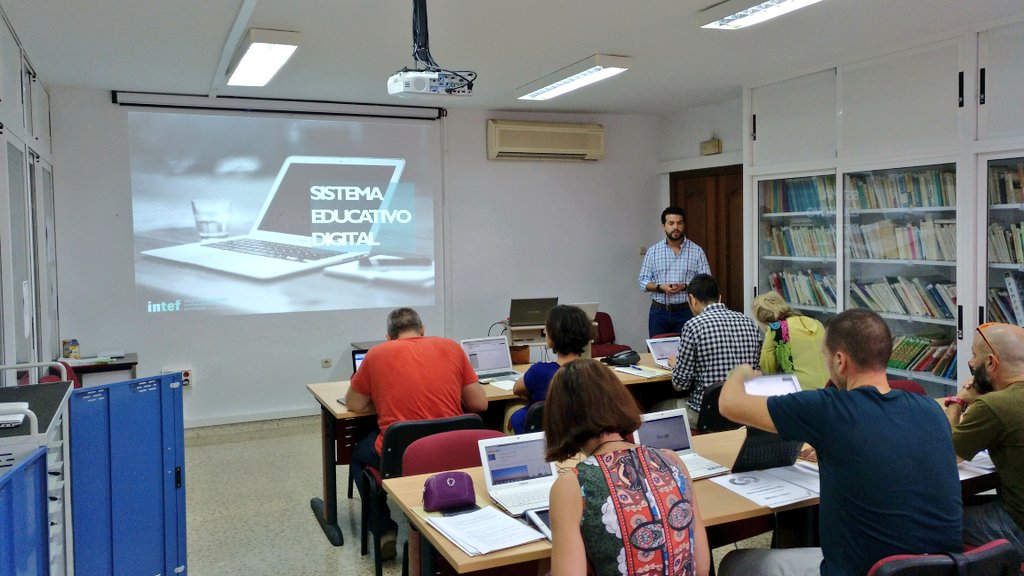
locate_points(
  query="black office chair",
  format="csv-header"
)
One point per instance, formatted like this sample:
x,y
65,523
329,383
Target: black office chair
x,y
534,421
710,419
397,438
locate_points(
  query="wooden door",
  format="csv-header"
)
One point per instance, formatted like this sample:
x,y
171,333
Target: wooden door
x,y
713,201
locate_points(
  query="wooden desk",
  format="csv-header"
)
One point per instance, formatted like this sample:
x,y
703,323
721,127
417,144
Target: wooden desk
x,y
114,370
717,506
341,428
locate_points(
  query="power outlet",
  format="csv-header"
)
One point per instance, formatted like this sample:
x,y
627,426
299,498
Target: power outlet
x,y
325,363
187,375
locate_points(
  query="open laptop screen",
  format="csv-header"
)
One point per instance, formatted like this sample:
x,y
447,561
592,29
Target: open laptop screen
x,y
487,353
662,348
669,432
517,462
357,359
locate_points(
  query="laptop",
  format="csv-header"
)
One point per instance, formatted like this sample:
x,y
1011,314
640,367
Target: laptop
x,y
762,450
662,348
518,479
670,429
357,359
530,311
490,358
589,308
297,230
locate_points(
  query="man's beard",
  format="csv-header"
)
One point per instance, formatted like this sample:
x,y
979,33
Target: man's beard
x,y
982,381
672,235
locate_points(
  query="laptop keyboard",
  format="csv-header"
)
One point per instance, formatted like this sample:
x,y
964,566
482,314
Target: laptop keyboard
x,y
700,467
273,249
500,375
515,500
764,456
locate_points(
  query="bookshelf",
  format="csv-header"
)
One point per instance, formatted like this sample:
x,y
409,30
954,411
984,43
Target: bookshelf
x,y
1005,239
901,261
797,248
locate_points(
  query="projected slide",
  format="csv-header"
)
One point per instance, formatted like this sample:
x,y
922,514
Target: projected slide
x,y
237,214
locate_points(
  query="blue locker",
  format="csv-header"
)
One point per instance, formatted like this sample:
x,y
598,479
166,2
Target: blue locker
x,y
128,478
24,531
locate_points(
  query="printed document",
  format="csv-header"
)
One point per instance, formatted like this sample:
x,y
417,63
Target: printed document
x,y
485,530
772,488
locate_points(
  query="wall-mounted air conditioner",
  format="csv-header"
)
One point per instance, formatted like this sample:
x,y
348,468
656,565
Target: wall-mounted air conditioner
x,y
544,140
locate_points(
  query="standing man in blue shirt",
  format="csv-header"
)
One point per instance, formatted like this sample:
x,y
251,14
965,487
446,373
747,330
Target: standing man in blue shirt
x,y
667,269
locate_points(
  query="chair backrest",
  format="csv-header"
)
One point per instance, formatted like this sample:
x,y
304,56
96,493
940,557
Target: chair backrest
x,y
709,418
445,451
996,558
534,421
400,435
909,386
605,328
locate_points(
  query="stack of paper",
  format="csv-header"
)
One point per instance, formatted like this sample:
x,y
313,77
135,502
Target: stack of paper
x,y
980,465
485,530
641,371
775,487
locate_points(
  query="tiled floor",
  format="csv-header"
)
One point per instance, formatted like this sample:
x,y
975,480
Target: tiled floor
x,y
248,491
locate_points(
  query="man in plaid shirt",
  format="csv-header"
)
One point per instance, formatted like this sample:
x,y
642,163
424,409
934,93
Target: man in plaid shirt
x,y
713,343
668,267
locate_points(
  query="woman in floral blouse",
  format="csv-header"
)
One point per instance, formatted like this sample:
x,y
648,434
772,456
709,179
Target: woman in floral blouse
x,y
627,509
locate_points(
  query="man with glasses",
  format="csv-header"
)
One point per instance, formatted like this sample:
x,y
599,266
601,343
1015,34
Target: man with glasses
x,y
988,414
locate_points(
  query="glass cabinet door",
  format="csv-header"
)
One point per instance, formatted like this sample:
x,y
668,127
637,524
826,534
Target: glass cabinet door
x,y
901,262
797,241
1005,241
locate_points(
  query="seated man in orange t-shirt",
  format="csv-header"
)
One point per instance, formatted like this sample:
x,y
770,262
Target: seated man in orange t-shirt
x,y
409,377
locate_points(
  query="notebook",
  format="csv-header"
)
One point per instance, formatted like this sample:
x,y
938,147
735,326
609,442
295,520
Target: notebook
x,y
762,450
286,238
662,348
670,429
530,311
490,358
518,479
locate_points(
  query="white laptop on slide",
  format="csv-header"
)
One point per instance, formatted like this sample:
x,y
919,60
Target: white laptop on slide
x,y
286,238
670,429
662,348
490,358
518,479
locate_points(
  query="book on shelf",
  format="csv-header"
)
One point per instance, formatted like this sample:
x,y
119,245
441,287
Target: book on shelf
x,y
931,288
1013,287
999,308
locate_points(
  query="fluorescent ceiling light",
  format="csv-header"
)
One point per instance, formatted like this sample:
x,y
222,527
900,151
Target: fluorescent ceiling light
x,y
726,16
260,55
583,73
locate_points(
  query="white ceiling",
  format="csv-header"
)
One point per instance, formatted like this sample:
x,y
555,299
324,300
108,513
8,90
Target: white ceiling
x,y
350,47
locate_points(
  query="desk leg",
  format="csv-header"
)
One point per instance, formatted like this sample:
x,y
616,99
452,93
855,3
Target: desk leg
x,y
427,557
326,510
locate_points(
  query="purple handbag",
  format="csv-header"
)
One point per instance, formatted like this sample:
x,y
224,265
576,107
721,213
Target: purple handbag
x,y
448,490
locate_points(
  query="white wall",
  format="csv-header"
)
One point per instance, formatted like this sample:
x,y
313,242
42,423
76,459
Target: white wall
x,y
512,229
683,131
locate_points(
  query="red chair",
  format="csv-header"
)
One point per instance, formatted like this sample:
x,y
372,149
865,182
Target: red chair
x,y
996,558
604,341
397,438
437,453
908,385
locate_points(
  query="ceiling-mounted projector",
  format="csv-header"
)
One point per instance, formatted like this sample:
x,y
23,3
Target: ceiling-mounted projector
x,y
427,77
424,83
